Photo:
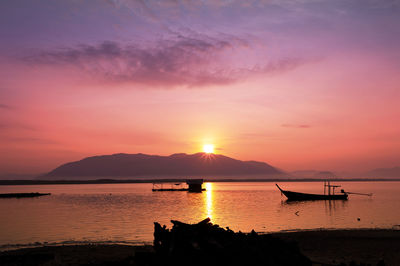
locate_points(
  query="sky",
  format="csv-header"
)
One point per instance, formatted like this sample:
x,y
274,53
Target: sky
x,y
299,84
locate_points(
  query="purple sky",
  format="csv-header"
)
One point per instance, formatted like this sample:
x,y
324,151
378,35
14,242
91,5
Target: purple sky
x,y
299,84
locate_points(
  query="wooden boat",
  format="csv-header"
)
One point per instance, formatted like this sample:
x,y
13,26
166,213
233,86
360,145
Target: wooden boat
x,y
23,195
194,185
298,196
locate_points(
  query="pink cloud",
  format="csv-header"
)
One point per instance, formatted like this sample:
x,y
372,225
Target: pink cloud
x,y
5,106
296,126
193,61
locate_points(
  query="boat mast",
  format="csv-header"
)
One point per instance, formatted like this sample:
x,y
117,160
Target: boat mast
x,y
328,184
329,188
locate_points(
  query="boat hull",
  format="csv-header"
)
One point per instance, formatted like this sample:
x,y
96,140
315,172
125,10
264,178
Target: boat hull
x,y
305,196
298,196
23,195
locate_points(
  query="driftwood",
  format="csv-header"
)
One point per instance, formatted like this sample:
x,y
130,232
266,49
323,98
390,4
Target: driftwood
x,y
207,244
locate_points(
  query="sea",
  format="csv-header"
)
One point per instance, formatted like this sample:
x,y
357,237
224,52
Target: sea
x,y
125,213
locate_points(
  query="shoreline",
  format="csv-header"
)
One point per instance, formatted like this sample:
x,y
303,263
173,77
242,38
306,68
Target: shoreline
x,y
329,247
135,243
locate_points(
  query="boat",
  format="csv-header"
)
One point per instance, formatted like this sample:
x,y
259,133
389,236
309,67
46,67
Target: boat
x,y
194,185
23,195
299,196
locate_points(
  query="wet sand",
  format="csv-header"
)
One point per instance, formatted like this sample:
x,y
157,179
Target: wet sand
x,y
328,247
75,255
337,246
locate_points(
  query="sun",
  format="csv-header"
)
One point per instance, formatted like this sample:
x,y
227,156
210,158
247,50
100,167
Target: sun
x,y
208,148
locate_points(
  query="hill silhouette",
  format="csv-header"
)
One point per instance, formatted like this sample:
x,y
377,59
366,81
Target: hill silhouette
x,y
393,172
142,165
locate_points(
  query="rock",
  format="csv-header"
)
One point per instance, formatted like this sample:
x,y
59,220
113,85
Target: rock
x,y
207,244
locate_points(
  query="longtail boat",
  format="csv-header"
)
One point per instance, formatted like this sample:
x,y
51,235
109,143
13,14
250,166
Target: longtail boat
x,y
298,196
23,195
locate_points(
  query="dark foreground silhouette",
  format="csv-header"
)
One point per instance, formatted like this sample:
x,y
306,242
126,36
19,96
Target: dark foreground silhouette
x,y
205,244
208,244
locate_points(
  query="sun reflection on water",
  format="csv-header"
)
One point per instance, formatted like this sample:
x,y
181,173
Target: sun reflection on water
x,y
209,204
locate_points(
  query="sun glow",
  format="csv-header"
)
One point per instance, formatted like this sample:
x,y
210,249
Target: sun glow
x,y
208,148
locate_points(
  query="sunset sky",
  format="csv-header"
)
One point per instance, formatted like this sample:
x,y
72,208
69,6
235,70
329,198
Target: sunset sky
x,y
299,84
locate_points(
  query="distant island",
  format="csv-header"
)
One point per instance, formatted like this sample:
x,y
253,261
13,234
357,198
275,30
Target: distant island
x,y
313,174
393,172
142,165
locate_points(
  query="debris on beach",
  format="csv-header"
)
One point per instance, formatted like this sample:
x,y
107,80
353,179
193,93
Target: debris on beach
x,y
205,243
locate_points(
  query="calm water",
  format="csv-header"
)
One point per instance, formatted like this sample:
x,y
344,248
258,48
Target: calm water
x,y
126,212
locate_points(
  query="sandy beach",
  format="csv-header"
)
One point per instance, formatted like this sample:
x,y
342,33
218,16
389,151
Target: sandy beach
x,y
323,247
336,246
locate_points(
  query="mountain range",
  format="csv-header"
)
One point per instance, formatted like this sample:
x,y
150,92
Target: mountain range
x,y
142,165
393,172
313,174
